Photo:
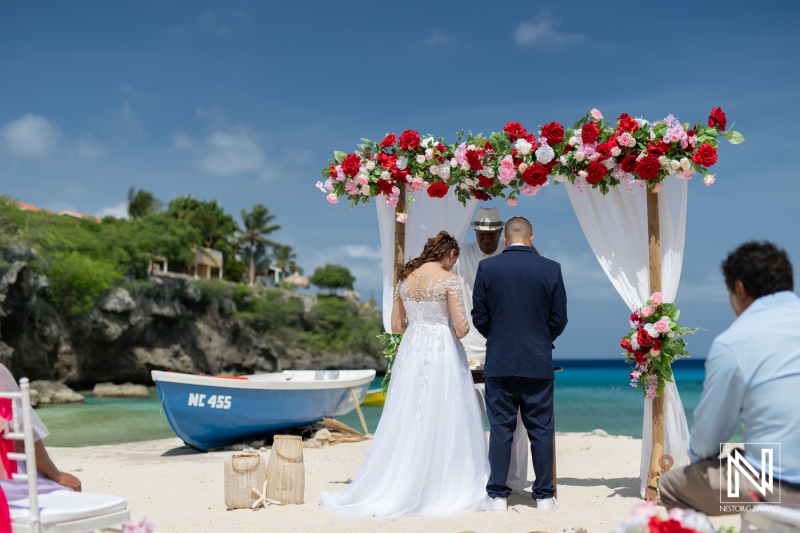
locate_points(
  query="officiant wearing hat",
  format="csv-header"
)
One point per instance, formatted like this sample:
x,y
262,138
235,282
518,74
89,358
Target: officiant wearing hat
x,y
488,229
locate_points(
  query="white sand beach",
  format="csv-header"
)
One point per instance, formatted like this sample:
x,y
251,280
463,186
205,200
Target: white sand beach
x,y
183,490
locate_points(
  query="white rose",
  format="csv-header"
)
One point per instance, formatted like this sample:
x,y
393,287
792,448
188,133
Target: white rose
x,y
472,147
674,164
671,334
465,165
402,162
579,156
523,146
544,154
616,151
370,165
454,162
632,142
434,170
487,172
634,344
663,160
572,141
464,186
609,163
444,172
583,174
558,178
470,182
522,167
563,160
427,141
385,175
420,159
651,330
365,190
685,164
652,136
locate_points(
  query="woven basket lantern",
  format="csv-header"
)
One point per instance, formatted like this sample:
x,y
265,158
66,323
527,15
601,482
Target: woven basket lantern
x,y
243,473
286,473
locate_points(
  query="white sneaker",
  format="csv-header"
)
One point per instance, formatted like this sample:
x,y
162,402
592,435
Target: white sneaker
x,y
498,505
547,504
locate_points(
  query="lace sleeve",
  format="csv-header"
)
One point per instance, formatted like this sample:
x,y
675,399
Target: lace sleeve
x,y
399,322
455,302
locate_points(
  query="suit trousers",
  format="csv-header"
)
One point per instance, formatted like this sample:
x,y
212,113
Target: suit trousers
x,y
518,467
533,399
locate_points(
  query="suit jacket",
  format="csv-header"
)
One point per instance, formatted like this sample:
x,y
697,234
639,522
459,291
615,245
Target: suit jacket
x,y
520,305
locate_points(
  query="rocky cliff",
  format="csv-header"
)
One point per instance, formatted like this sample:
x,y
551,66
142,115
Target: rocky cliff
x,y
162,324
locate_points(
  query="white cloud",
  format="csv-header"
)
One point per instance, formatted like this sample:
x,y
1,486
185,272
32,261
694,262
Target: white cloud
x,y
119,210
231,152
181,141
437,38
542,31
88,148
363,261
212,117
361,251
124,124
31,136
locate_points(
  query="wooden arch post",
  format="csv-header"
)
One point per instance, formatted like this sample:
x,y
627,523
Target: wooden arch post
x,y
399,236
654,244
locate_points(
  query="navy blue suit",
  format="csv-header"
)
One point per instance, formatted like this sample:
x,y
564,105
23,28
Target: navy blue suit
x,y
520,305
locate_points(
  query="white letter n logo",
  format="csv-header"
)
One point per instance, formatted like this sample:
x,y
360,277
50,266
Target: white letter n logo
x,y
761,478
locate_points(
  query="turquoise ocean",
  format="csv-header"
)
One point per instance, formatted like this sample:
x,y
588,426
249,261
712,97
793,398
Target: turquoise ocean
x,y
589,394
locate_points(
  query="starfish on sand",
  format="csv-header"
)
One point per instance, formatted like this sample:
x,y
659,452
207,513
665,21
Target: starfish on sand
x,y
262,500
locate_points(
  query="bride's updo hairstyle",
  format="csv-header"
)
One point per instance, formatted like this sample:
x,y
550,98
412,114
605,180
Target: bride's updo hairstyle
x,y
436,249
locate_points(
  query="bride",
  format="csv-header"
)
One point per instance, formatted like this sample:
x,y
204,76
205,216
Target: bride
x,y
428,456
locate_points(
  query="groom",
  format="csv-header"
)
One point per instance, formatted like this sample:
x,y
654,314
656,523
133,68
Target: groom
x,y
520,305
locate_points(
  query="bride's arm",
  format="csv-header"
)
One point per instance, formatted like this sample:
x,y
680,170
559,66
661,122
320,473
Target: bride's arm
x,y
398,315
455,302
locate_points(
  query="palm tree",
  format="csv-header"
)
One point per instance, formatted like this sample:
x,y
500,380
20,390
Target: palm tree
x,y
284,257
141,203
257,225
261,259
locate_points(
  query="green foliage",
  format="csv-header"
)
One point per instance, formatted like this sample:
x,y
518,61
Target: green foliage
x,y
141,203
391,343
333,278
215,226
257,227
284,258
78,280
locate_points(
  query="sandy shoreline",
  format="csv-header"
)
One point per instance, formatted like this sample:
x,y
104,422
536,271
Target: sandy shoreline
x,y
183,490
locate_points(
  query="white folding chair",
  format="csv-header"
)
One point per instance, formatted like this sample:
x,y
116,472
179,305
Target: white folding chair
x,y
777,520
62,511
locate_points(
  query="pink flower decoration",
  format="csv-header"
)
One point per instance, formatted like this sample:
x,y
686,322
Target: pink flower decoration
x,y
596,115
332,198
362,179
402,218
512,202
647,311
507,174
657,298
662,325
624,139
709,180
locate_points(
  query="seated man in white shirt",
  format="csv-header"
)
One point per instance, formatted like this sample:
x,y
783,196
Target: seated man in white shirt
x,y
50,477
752,375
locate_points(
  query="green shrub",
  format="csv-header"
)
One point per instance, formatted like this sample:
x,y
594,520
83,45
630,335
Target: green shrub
x,y
78,280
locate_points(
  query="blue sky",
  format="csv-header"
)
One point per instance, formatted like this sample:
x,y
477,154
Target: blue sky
x,y
245,101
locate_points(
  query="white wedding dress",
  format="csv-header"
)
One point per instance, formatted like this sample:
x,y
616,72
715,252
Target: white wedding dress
x,y
428,456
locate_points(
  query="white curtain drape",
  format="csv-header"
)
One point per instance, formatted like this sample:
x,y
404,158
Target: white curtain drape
x,y
426,217
615,225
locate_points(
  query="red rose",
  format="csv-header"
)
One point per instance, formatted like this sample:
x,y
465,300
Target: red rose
x,y
658,149
351,164
474,159
553,132
656,345
626,345
388,141
551,165
648,167
640,356
628,163
717,118
387,160
612,141
627,123
333,171
437,190
531,138
442,148
568,148
385,186
589,133
596,171
409,140
485,182
536,174
515,131
399,175
705,156
480,195
643,338
604,150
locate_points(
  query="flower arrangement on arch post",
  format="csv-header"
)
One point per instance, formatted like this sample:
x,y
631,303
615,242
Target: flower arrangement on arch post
x,y
653,343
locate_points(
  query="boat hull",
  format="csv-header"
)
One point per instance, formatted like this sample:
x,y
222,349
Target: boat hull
x,y
208,412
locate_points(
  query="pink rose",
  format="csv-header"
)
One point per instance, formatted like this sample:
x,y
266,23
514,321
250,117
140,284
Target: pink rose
x,y
506,162
709,180
332,198
402,218
657,298
507,175
662,325
624,139
512,202
647,311
350,187
596,115
362,179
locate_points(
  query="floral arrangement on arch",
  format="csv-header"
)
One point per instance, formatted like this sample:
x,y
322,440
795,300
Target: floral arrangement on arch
x,y
649,518
653,343
515,163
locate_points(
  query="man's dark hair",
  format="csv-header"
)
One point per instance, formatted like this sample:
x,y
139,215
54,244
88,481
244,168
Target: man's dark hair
x,y
518,229
762,267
